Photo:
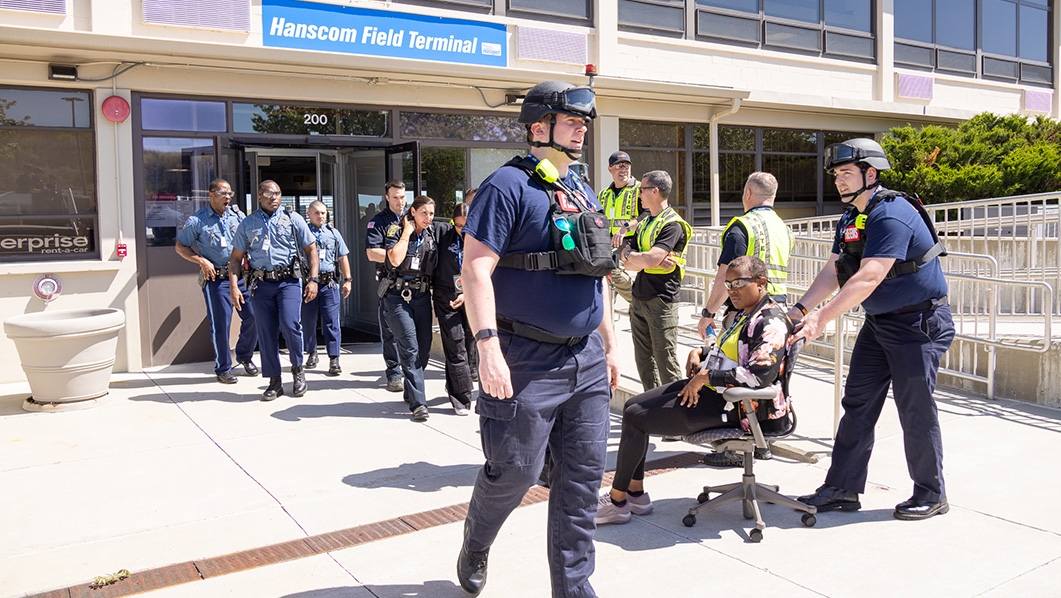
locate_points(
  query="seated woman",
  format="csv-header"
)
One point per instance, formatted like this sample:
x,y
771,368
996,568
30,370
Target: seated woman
x,y
750,353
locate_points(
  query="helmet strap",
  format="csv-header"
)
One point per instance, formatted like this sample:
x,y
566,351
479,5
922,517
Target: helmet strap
x,y
850,197
572,153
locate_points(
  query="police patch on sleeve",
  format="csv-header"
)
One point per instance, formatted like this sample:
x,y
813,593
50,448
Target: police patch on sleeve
x,y
392,229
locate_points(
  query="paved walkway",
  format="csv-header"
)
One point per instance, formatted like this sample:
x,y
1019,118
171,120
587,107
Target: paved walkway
x,y
176,469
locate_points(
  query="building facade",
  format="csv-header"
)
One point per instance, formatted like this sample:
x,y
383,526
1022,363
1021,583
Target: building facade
x,y
116,115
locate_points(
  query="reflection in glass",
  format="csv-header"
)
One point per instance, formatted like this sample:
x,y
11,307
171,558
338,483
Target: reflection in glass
x,y
913,20
733,171
797,176
1034,33
308,120
182,115
702,137
485,161
443,171
461,127
742,5
958,28
798,10
177,175
39,108
789,140
634,133
849,14
671,161
736,138
1000,27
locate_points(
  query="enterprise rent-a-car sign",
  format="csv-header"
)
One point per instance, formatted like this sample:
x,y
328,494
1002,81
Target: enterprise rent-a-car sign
x,y
330,28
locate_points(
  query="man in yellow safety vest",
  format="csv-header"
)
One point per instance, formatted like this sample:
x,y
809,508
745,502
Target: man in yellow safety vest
x,y
622,205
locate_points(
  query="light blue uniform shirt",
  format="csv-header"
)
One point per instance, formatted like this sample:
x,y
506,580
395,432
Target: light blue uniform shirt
x,y
270,241
212,233
330,246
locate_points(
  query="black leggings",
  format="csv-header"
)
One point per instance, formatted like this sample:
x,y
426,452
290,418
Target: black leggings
x,y
659,411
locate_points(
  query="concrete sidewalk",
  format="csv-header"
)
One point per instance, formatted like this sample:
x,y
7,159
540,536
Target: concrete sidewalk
x,y
176,468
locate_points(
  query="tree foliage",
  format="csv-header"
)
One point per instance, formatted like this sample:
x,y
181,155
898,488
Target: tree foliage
x,y
987,156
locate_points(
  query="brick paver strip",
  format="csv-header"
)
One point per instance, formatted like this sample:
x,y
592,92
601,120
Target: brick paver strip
x,y
171,575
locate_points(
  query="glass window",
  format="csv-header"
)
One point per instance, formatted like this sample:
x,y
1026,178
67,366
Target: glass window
x,y
702,137
849,14
956,23
733,171
736,138
182,115
671,161
657,15
741,5
47,176
634,133
308,120
442,170
462,127
789,140
1034,27
177,175
1000,27
797,176
577,9
485,161
798,10
913,20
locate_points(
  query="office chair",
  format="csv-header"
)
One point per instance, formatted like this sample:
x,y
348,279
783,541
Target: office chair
x,y
734,439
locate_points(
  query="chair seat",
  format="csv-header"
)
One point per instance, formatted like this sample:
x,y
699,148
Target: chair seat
x,y
713,435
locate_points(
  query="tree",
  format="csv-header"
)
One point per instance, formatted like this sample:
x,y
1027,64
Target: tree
x,y
987,156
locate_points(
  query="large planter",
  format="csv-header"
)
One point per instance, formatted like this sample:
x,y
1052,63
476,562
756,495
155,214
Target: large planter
x,y
67,355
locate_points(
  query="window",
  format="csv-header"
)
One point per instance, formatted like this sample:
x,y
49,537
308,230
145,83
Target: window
x,y
308,120
578,11
177,175
941,35
831,28
656,17
462,127
47,176
182,115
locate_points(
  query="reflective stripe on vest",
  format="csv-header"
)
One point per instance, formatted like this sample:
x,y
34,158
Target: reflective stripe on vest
x,y
619,207
770,240
649,228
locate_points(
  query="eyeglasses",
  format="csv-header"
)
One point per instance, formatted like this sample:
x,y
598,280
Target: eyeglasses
x,y
223,193
270,194
565,225
740,283
580,100
645,188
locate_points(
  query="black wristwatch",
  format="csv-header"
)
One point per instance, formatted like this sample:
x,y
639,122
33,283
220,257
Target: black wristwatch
x,y
316,279
707,314
485,333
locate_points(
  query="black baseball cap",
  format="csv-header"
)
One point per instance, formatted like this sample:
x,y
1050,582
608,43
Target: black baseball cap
x,y
619,156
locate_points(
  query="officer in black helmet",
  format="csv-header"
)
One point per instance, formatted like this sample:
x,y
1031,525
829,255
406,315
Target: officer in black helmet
x,y
886,258
547,353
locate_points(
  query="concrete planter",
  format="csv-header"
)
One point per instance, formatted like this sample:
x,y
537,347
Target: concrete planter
x,y
67,355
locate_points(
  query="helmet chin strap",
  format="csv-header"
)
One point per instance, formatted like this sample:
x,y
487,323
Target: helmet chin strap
x,y
850,197
573,153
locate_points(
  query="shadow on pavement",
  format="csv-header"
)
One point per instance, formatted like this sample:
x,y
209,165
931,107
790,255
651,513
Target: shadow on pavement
x,y
420,476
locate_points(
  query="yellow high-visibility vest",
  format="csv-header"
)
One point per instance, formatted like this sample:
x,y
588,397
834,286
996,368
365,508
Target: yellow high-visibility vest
x,y
649,228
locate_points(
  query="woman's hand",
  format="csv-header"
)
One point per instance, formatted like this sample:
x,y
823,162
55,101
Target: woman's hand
x,y
690,395
692,364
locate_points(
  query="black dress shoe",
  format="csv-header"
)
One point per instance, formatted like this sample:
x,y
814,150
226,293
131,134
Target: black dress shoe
x,y
275,389
333,366
913,509
831,498
299,387
249,367
311,360
471,570
226,378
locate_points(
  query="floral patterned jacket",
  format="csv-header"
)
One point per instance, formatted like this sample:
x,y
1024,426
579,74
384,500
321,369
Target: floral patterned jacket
x,y
761,349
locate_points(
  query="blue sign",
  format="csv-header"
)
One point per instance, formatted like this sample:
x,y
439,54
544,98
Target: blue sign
x,y
330,28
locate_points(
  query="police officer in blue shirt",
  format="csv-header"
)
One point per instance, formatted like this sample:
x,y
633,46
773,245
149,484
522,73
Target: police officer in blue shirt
x,y
211,230
547,354
334,277
272,238
886,257
394,197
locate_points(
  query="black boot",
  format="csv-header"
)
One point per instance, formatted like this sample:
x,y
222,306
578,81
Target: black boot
x,y
299,387
471,570
333,366
276,389
311,360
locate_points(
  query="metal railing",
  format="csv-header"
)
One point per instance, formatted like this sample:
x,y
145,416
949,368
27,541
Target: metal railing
x,y
1003,298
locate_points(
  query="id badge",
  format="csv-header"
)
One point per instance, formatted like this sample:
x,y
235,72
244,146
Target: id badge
x,y
714,359
457,283
223,242
415,263
266,245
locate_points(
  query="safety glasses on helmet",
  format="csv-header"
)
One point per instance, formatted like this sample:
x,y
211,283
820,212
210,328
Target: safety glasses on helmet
x,y
841,153
580,100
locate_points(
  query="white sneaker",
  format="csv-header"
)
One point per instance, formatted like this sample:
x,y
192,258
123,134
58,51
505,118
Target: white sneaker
x,y
458,407
639,505
608,512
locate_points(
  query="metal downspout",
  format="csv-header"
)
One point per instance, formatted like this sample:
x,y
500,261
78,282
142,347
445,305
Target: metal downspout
x,y
715,207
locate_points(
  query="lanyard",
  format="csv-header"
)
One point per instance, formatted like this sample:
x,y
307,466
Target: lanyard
x,y
737,324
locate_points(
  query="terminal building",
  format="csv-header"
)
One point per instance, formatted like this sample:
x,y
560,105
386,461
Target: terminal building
x,y
116,115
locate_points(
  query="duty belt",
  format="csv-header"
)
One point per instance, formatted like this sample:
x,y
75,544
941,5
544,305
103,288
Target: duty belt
x,y
326,277
221,273
536,334
928,304
275,275
407,286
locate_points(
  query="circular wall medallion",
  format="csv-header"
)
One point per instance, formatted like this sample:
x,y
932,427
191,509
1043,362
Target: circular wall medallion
x,y
47,287
115,109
